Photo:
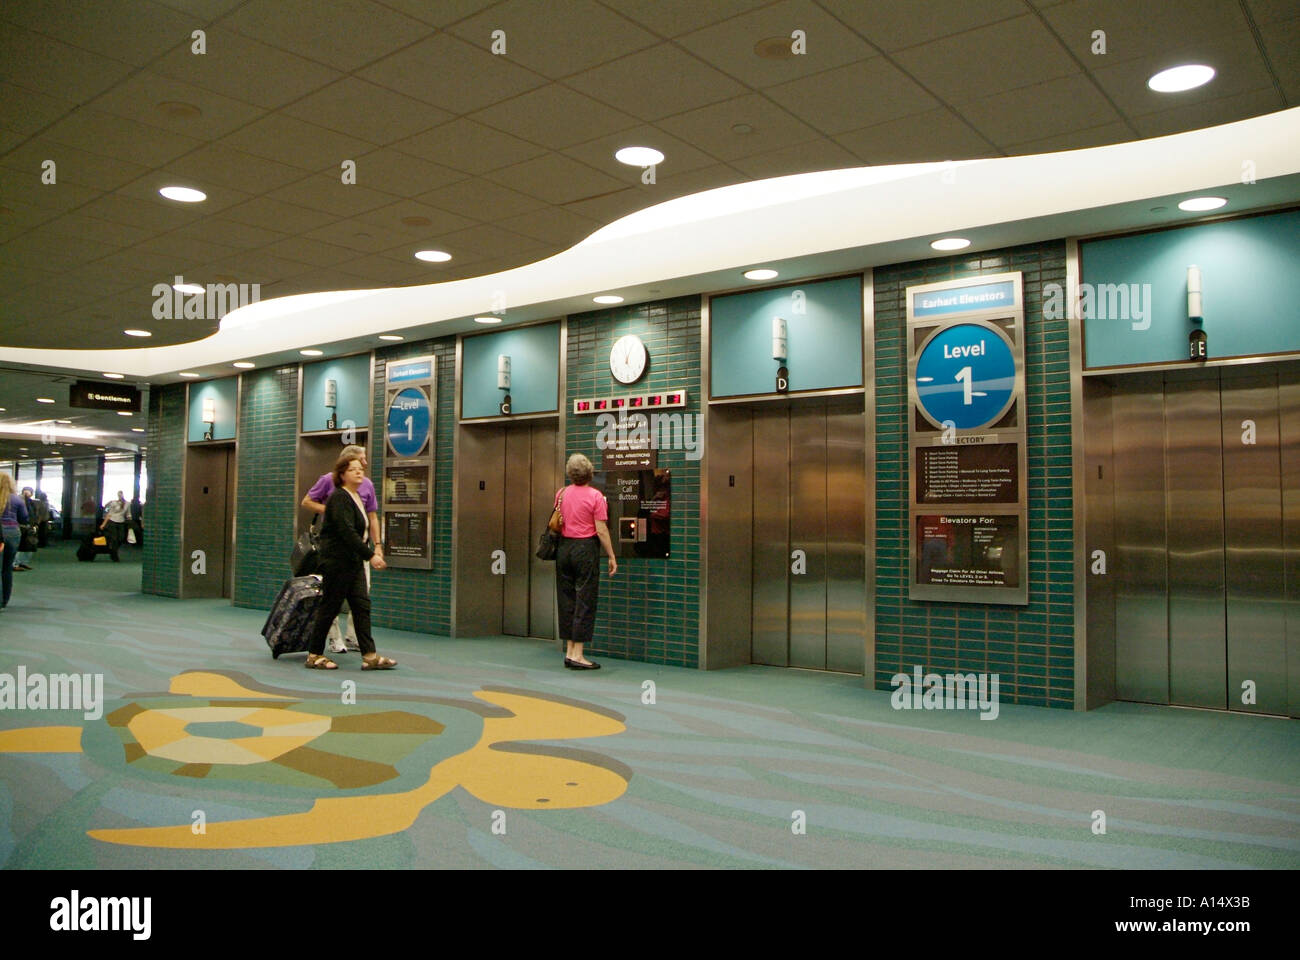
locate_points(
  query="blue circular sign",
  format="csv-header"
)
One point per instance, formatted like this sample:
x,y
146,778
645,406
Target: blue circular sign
x,y
965,375
408,422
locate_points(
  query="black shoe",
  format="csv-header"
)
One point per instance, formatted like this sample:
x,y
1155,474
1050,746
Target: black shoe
x,y
584,666
569,664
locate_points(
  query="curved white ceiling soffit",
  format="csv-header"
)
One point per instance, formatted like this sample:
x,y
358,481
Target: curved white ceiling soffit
x,y
759,223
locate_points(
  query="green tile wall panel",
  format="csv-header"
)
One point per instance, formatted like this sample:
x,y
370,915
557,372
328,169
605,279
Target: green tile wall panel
x,y
161,553
1032,648
650,610
265,497
419,600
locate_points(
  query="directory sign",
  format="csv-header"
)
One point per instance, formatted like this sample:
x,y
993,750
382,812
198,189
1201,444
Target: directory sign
x,y
966,437
410,422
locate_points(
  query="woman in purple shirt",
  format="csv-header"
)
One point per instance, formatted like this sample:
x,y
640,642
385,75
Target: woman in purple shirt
x,y
577,568
13,513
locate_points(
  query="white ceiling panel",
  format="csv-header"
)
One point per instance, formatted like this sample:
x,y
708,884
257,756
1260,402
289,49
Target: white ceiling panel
x,y
555,117
110,136
343,34
671,18
72,165
858,95
711,128
219,165
32,61
402,174
389,221
440,14
480,199
555,179
159,101
435,70
679,156
132,31
27,112
937,135
469,147
1141,29
330,195
367,111
656,82
799,158
1043,110
894,25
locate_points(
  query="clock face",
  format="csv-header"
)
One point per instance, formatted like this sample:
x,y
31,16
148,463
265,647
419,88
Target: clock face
x,y
628,358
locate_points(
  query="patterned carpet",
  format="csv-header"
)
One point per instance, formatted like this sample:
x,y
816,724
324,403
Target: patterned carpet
x,y
206,753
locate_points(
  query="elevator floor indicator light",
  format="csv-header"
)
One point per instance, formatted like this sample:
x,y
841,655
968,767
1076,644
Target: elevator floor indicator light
x,y
966,374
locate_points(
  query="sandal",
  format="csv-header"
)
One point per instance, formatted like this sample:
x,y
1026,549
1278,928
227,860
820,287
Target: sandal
x,y
377,663
316,661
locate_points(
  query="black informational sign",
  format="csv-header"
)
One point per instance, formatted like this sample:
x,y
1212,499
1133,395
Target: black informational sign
x,y
406,484
88,395
968,551
640,510
406,535
980,473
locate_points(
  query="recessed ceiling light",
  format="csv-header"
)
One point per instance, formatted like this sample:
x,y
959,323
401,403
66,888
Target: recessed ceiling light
x,y
487,319
244,365
312,353
188,288
741,128
137,429
44,400
1202,203
390,336
125,413
432,256
179,110
186,373
608,298
138,333
951,243
775,48
114,376
417,221
183,194
99,448
639,156
760,274
1176,79
62,421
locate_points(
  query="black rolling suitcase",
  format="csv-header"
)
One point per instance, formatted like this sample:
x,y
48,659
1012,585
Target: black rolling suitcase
x,y
286,627
89,549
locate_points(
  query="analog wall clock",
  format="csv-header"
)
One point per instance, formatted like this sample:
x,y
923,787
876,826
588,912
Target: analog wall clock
x,y
628,359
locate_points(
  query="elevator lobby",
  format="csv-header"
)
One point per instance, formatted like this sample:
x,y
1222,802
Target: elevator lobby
x,y
939,363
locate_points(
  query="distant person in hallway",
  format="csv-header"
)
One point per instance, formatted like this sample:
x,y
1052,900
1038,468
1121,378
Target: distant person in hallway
x,y
342,635
343,556
30,532
117,514
43,526
577,559
13,514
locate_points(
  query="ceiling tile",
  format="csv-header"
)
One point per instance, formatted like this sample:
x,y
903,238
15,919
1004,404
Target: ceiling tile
x,y
987,60
710,128
451,74
389,221
71,165
353,234
205,10
116,208
606,209
1271,11
553,225
894,25
229,233
218,165
192,250
442,13
139,98
480,199
379,271
272,214
1141,29
656,82
729,46
1073,140
554,116
1043,110
367,111
29,111
1282,41
311,252
858,95
146,189
555,39
469,147
800,158
679,156
110,136
59,197
1250,103
82,227
134,31
296,143
684,184
41,63
344,34
923,137
402,174
474,243
244,69
671,18
328,194
555,179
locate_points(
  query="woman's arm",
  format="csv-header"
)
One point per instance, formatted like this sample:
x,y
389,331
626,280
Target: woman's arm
x,y
340,512
602,531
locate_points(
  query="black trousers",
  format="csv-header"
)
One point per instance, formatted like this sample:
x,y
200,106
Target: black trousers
x,y
342,584
115,534
577,587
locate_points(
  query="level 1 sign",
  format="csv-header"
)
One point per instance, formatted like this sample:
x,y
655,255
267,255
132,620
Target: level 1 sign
x,y
966,376
408,421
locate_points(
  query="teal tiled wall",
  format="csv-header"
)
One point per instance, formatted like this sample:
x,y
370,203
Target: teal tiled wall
x,y
651,609
160,572
419,600
264,512
1030,647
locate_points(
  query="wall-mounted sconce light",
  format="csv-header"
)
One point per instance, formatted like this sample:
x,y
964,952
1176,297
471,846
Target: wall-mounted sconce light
x,y
780,352
209,416
332,401
503,381
1197,342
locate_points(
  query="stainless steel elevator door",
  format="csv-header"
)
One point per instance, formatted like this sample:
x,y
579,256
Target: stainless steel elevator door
x,y
807,536
209,520
532,472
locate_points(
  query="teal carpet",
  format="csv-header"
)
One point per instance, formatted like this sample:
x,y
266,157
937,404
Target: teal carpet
x,y
748,768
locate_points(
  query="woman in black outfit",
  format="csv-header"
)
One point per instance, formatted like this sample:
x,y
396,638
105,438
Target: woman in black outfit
x,y
343,555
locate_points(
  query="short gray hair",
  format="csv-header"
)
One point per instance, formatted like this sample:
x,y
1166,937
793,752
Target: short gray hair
x,y
578,469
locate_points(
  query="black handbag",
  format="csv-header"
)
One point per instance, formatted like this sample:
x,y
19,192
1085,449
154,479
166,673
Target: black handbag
x,y
306,552
549,542
29,539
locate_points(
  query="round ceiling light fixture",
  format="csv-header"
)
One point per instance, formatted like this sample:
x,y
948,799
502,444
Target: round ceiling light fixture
x,y
125,413
775,48
761,274
432,256
187,373
243,365
950,243
1189,76
114,376
1198,204
44,400
183,194
138,333
608,298
390,336
639,156
188,288
487,319
312,353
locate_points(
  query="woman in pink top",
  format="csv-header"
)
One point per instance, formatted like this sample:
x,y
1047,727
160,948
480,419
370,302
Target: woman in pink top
x,y
577,571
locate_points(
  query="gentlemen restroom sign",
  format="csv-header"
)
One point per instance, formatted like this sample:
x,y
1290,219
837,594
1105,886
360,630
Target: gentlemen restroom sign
x,y
965,361
89,395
